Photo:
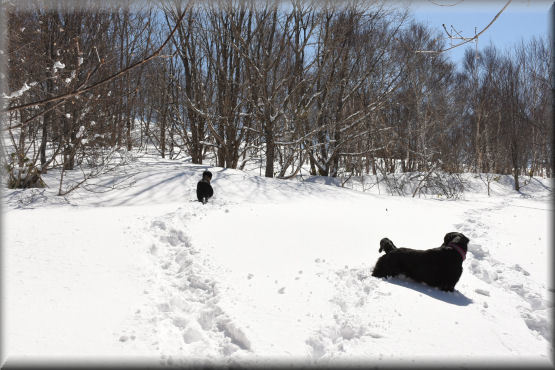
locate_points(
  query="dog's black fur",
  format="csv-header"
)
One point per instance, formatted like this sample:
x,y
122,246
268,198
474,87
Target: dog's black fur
x,y
438,267
204,189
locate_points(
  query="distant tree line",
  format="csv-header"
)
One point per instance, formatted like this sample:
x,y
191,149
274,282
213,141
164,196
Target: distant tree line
x,y
336,87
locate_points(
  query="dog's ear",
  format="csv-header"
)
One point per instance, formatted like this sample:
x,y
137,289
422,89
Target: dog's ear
x,y
383,244
461,241
450,236
386,245
464,240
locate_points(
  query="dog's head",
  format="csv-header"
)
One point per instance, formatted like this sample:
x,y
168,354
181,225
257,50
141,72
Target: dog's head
x,y
386,245
456,238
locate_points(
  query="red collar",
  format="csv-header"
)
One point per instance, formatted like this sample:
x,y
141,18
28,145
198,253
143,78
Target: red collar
x,y
458,249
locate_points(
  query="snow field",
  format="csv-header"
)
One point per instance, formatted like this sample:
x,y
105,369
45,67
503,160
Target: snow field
x,y
361,325
70,278
270,271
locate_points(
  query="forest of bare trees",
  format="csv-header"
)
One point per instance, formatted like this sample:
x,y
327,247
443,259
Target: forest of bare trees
x,y
335,88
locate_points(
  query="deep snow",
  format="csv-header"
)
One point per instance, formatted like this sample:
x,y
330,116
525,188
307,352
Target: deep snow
x,y
269,272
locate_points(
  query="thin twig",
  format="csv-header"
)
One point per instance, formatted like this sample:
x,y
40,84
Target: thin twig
x,y
469,39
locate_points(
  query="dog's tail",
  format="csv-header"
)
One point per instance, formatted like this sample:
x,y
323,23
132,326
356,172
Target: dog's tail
x,y
386,245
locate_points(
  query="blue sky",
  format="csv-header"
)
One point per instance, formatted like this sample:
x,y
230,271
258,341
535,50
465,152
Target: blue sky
x,y
522,19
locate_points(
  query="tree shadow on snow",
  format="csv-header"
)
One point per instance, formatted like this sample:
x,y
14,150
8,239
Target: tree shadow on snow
x,y
456,297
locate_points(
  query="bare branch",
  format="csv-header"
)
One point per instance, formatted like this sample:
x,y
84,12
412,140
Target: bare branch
x,y
467,40
79,91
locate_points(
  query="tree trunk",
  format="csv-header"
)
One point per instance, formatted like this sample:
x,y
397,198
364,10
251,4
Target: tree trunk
x,y
45,122
270,150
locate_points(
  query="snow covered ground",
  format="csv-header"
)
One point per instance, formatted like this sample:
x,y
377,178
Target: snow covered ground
x,y
269,272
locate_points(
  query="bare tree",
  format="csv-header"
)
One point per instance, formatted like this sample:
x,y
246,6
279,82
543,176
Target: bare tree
x,y
352,79
336,86
67,86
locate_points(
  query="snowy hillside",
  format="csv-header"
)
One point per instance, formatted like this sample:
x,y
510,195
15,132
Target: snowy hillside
x,y
269,272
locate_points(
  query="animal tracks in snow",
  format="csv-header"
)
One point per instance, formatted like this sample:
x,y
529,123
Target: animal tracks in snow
x,y
353,324
183,312
368,318
535,308
185,315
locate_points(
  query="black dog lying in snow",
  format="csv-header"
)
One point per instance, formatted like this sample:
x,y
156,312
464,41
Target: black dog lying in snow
x,y
439,267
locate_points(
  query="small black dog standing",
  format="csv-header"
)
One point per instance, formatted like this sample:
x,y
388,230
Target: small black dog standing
x,y
204,189
438,267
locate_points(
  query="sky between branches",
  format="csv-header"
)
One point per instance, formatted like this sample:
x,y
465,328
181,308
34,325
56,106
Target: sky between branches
x,y
522,20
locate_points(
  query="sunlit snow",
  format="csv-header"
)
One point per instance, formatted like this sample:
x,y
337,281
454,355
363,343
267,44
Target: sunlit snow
x,y
269,271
